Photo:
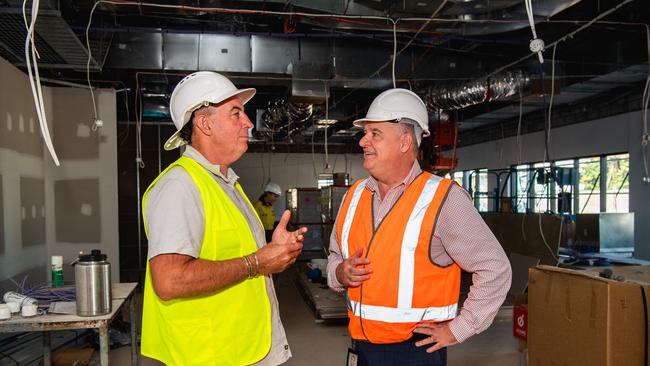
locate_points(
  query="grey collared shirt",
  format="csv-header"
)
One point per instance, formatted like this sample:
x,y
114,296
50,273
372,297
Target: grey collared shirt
x,y
175,222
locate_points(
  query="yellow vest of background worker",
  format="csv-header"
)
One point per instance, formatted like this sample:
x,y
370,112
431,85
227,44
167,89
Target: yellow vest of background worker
x,y
230,327
266,214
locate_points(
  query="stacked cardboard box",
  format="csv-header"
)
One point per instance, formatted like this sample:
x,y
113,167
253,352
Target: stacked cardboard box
x,y
581,318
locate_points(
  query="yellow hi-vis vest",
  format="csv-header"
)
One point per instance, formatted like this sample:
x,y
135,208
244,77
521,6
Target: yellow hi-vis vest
x,y
229,327
266,214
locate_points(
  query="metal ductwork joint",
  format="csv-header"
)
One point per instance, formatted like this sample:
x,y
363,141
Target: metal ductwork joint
x,y
461,95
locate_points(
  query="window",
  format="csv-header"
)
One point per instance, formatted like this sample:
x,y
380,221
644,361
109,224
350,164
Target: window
x,y
458,178
564,178
589,185
325,180
618,189
541,188
481,196
585,185
522,180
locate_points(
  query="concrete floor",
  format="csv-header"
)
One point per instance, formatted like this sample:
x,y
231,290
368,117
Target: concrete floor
x,y
317,343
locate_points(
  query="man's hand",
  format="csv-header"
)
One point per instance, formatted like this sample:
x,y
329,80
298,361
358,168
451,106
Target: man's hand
x,y
284,248
439,334
282,236
350,274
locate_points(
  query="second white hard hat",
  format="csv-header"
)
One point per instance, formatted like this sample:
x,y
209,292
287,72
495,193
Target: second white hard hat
x,y
273,188
196,90
395,105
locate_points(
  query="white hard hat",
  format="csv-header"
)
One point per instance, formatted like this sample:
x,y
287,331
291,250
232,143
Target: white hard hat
x,y
398,105
197,90
273,188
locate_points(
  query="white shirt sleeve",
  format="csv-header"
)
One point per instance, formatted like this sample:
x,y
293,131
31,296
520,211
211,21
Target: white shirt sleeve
x,y
174,215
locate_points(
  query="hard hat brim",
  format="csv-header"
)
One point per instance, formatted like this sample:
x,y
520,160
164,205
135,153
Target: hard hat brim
x,y
361,121
175,141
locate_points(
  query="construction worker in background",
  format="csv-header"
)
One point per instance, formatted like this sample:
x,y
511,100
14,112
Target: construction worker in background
x,y
208,293
264,207
400,241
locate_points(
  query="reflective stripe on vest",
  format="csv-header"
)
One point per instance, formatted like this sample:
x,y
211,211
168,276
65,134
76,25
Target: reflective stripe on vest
x,y
350,215
410,241
403,315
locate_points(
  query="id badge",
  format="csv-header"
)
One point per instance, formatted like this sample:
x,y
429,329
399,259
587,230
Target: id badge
x,y
353,358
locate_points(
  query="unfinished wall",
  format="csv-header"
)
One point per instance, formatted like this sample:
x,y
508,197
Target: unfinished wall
x,y
21,171
81,194
615,134
28,177
291,170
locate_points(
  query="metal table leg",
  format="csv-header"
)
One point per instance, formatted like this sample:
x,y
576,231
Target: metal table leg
x,y
103,345
135,358
47,349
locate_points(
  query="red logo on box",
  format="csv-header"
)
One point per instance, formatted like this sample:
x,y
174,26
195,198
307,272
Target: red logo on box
x,y
520,321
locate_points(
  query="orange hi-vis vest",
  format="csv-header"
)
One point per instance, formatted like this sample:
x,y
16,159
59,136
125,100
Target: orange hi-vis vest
x,y
406,287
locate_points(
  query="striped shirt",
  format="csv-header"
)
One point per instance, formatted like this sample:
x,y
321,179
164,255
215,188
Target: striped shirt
x,y
460,236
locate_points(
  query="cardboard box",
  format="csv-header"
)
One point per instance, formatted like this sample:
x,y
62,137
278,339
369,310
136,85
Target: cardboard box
x,y
579,318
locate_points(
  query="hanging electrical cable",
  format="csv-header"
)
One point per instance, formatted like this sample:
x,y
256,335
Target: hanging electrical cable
x,y
34,77
97,123
550,104
327,117
645,137
138,123
566,36
536,44
394,51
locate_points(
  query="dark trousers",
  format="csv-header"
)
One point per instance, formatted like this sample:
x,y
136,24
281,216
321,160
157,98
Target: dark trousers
x,y
399,354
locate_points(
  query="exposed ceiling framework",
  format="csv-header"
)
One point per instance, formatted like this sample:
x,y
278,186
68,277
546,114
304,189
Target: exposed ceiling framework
x,y
300,54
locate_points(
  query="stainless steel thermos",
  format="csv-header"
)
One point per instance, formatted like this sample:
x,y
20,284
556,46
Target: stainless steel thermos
x,y
92,274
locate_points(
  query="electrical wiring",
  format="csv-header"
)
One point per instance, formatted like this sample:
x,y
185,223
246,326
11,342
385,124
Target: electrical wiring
x,y
550,104
433,15
327,116
536,44
541,232
34,77
394,51
518,139
565,37
349,18
138,123
645,137
591,192
90,87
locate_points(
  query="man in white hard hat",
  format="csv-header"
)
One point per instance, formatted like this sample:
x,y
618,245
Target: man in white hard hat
x,y
400,241
208,294
264,207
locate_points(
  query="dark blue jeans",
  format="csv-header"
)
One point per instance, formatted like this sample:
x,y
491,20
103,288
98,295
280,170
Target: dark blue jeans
x,y
399,354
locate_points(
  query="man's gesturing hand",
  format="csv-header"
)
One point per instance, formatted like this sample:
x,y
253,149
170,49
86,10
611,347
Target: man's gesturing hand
x,y
439,334
284,248
350,272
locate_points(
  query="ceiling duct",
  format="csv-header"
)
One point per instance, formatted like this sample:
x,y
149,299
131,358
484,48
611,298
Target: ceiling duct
x,y
461,95
58,46
306,84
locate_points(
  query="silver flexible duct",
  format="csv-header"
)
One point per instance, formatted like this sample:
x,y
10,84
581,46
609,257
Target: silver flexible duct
x,y
282,118
461,95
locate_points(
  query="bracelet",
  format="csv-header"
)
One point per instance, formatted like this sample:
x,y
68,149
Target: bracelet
x,y
248,266
257,264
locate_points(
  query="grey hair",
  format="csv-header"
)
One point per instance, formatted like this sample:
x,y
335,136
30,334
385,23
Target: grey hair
x,y
186,131
410,129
